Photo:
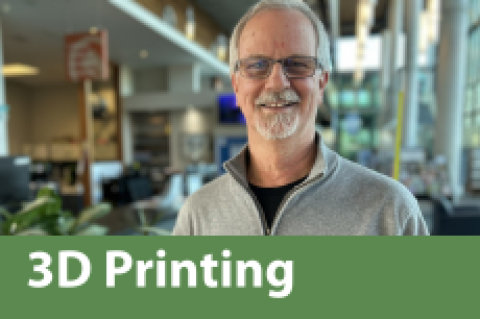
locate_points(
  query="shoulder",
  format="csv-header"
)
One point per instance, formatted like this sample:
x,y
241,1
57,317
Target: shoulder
x,y
372,187
204,201
207,197
211,192
370,180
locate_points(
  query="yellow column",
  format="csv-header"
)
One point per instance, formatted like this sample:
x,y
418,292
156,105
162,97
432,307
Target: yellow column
x,y
398,141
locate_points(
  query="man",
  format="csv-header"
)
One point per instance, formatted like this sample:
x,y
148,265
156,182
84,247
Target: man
x,y
286,181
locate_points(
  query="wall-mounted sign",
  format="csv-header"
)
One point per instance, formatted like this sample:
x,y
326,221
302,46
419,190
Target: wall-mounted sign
x,y
87,56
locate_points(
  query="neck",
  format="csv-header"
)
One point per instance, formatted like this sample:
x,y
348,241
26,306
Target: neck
x,y
280,162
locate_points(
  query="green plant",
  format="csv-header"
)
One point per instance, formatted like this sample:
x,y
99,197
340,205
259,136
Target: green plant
x,y
147,228
45,216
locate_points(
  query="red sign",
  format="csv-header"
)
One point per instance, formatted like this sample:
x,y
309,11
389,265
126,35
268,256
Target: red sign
x,y
87,56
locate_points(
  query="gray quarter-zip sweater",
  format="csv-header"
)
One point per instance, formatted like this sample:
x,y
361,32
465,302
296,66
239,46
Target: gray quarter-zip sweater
x,y
337,198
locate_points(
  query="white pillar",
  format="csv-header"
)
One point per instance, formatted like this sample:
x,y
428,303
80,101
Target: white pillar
x,y
385,68
410,119
127,85
395,19
3,105
451,86
127,89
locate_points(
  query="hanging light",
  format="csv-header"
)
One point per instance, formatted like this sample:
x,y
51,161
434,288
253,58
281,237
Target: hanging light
x,y
365,21
222,47
424,40
190,25
362,34
365,13
433,9
359,75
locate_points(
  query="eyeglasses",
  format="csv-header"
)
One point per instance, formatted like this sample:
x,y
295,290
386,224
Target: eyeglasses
x,y
261,67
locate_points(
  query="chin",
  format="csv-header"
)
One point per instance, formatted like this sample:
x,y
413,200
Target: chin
x,y
279,127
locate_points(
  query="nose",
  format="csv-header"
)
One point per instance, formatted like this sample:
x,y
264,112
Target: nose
x,y
277,79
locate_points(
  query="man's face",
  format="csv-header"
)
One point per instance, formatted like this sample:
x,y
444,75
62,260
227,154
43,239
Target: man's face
x,y
278,107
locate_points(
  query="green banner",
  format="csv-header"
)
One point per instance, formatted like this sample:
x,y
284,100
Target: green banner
x,y
239,277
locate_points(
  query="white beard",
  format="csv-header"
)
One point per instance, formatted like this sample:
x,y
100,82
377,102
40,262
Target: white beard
x,y
278,125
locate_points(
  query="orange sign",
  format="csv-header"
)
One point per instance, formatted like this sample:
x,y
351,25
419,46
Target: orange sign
x,y
87,56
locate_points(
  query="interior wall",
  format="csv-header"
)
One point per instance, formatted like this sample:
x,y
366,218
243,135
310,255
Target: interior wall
x,y
19,120
54,113
149,80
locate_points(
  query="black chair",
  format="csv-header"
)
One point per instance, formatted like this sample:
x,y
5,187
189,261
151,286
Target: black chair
x,y
139,188
452,220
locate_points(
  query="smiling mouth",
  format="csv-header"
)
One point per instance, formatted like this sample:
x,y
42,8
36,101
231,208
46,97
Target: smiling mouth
x,y
279,105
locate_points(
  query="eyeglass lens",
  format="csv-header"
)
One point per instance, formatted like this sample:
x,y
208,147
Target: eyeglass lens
x,y
258,67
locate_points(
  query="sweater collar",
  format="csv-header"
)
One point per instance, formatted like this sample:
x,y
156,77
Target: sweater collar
x,y
238,165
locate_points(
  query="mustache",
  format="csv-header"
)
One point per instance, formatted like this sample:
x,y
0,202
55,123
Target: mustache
x,y
286,96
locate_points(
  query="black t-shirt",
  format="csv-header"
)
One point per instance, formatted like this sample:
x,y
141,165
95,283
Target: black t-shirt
x,y
270,198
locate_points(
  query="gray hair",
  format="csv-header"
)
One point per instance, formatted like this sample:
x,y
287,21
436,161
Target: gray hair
x,y
323,43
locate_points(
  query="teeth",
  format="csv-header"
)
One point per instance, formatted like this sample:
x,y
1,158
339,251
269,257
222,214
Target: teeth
x,y
277,104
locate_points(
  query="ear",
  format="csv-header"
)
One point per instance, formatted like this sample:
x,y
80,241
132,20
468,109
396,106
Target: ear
x,y
324,77
233,77
323,80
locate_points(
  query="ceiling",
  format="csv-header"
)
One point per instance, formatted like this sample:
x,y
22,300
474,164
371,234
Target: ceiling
x,y
228,13
33,31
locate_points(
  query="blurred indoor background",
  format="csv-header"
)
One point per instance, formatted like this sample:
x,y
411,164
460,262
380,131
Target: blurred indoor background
x,y
129,102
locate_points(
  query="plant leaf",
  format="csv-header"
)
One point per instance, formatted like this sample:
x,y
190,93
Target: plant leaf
x,y
47,204
64,224
46,192
155,231
93,213
32,232
93,230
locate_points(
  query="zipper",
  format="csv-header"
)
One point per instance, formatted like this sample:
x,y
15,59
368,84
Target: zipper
x,y
267,231
290,195
263,221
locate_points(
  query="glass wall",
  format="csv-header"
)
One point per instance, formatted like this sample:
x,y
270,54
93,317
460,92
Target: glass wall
x,y
471,110
356,109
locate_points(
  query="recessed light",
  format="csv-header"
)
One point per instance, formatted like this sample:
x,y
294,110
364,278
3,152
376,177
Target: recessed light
x,y
93,30
144,54
18,69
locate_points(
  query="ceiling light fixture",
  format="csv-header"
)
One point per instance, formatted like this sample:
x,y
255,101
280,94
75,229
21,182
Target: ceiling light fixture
x,y
424,42
17,69
364,23
433,9
222,47
190,25
93,30
144,54
430,25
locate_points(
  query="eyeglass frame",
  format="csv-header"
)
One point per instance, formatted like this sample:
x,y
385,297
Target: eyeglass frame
x,y
281,61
